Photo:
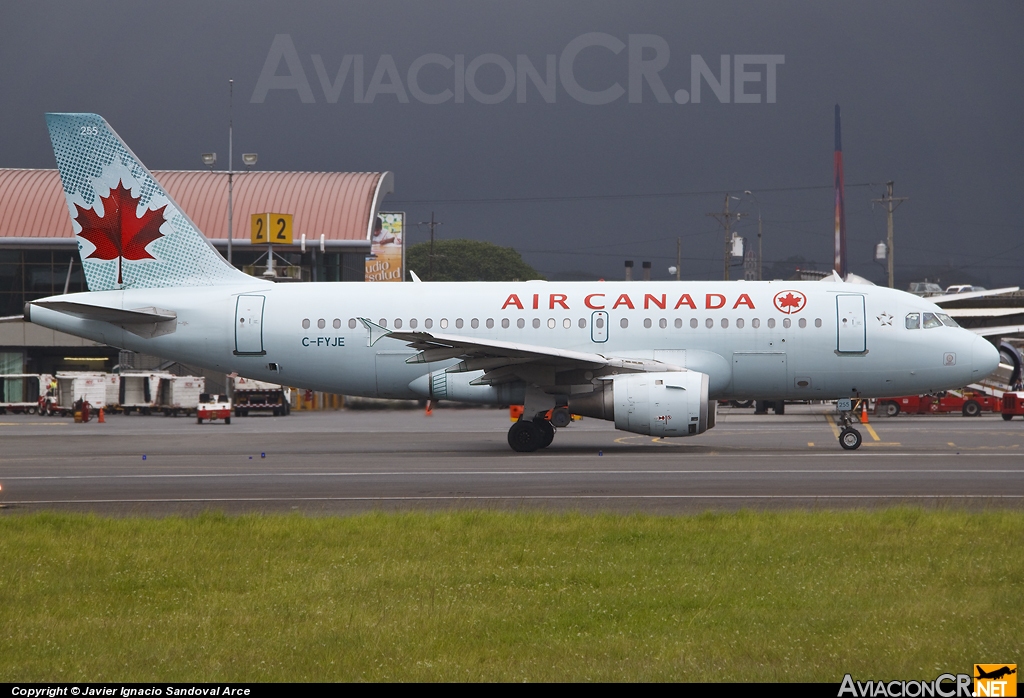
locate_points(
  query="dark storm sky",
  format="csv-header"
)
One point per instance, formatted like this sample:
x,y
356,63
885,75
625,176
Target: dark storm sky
x,y
931,97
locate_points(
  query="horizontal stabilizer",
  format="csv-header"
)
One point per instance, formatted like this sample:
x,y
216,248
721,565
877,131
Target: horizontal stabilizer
x,y
145,322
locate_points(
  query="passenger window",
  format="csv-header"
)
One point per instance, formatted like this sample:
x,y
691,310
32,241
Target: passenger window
x,y
428,323
458,323
755,323
802,323
566,323
321,323
739,323
504,323
725,323
930,321
787,323
647,323
600,323
444,323
412,323
583,324
679,322
771,323
337,324
305,323
351,323
624,323
474,323
490,323
398,323
693,322
536,323
709,323
662,323
817,322
551,323
520,323
913,321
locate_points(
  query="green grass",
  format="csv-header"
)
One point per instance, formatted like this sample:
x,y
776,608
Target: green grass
x,y
804,596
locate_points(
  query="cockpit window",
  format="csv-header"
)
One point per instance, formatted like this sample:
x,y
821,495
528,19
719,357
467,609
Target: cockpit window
x,y
913,321
931,320
947,320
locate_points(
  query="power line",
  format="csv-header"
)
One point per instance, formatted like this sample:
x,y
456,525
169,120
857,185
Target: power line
x,y
608,197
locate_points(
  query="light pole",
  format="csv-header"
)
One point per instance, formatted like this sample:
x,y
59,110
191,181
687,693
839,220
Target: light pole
x,y
758,203
210,159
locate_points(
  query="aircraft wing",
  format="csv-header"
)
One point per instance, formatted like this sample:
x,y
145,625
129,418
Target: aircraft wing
x,y
939,300
503,361
1001,331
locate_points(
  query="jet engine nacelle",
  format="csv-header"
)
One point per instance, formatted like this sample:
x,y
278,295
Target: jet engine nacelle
x,y
659,404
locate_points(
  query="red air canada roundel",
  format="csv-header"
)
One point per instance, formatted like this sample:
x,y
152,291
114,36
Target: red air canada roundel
x,y
789,302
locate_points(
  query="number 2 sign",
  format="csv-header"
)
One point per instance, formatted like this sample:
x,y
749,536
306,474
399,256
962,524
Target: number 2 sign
x,y
271,228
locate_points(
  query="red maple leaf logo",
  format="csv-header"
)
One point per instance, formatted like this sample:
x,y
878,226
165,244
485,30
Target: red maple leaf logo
x,y
790,301
120,233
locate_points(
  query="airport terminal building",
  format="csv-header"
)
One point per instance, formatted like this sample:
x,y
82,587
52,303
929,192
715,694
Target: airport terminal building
x,y
333,211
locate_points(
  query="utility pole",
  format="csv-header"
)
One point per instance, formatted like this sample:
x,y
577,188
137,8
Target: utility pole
x,y
726,219
679,257
888,200
430,255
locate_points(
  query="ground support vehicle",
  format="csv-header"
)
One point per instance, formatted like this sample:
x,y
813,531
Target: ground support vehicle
x,y
253,395
1013,404
180,394
23,393
212,407
73,387
140,391
966,402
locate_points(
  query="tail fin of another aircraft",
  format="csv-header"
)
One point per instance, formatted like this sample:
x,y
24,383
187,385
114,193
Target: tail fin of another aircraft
x,y
130,233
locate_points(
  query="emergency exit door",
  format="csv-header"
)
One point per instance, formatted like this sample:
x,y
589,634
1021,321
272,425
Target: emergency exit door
x,y
249,325
852,330
599,327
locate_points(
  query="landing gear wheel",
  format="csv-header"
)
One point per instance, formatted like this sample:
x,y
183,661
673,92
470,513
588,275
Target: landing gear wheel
x,y
850,439
972,409
561,417
1007,417
524,437
892,409
547,432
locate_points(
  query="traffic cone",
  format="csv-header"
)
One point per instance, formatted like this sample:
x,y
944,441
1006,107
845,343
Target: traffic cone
x,y
864,412
430,408
99,417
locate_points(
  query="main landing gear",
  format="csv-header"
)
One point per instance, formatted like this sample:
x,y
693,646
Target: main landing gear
x,y
526,436
849,438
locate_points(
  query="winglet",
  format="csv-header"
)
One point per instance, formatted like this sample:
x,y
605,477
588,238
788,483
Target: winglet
x,y
415,278
376,331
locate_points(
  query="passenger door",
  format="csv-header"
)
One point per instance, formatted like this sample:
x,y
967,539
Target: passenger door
x,y
852,332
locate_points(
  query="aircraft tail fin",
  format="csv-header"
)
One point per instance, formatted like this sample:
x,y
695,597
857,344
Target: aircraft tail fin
x,y
130,233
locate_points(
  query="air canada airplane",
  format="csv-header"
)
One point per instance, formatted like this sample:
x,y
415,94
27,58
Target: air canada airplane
x,y
652,357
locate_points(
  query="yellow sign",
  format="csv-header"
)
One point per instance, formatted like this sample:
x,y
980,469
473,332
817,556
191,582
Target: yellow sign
x,y
272,228
991,680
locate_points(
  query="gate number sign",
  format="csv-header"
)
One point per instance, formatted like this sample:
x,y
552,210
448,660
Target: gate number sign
x,y
271,228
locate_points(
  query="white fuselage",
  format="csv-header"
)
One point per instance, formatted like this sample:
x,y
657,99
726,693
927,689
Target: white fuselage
x,y
821,341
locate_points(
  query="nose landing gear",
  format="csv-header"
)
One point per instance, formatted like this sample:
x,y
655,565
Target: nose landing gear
x,y
849,438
